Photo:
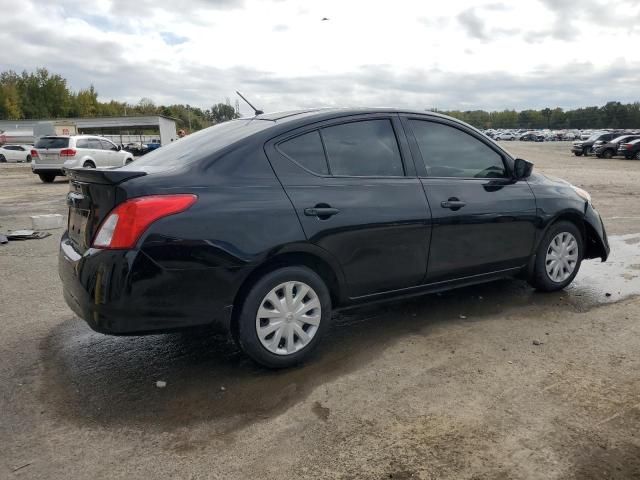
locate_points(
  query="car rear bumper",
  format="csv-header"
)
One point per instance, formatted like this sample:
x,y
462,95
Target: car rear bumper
x,y
47,168
124,292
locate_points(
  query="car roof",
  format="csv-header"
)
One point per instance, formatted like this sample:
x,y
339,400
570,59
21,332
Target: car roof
x,y
333,112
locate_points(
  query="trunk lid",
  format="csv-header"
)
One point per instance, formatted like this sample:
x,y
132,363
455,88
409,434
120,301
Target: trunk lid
x,y
93,193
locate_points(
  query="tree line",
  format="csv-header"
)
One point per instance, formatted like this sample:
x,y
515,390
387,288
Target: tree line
x,y
41,94
611,115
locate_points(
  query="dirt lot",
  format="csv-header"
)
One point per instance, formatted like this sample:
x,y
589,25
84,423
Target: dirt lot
x,y
445,386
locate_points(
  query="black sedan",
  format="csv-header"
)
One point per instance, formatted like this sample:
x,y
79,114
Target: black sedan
x,y
265,225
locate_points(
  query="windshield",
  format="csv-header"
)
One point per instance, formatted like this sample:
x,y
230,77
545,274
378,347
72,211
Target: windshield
x,y
53,142
620,139
199,145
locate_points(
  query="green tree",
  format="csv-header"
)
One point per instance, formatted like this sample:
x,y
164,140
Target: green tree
x,y
222,112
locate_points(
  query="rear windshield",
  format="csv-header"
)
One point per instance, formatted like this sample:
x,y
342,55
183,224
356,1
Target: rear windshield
x,y
52,142
199,145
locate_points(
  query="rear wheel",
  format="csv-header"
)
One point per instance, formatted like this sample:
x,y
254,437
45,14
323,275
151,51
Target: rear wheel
x,y
608,153
637,155
284,316
88,165
47,177
28,159
558,257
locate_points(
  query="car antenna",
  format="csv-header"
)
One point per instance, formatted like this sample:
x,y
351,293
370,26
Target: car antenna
x,y
255,110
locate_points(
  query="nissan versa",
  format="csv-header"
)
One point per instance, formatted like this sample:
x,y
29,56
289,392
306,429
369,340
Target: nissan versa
x,y
264,225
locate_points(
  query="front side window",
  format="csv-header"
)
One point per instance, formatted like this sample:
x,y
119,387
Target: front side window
x,y
106,145
94,144
307,151
449,152
365,149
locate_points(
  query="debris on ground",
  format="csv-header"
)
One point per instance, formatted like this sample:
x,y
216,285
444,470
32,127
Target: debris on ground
x,y
26,235
463,317
607,294
3,239
49,221
538,342
161,384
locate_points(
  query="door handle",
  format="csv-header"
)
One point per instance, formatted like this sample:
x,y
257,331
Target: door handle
x,y
453,204
321,212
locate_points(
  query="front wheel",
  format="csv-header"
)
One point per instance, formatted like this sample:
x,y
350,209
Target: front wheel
x,y
558,257
577,154
284,316
28,159
3,159
637,155
607,153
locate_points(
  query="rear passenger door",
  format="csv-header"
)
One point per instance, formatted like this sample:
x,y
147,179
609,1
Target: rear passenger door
x,y
353,185
95,151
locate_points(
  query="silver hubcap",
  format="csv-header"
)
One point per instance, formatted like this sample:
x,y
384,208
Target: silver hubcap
x,y
562,257
288,318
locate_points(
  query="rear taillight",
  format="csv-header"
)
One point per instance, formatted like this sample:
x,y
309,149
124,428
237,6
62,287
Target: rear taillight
x,y
34,154
628,146
67,152
126,223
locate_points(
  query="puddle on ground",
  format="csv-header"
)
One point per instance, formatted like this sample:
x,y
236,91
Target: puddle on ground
x,y
89,378
619,276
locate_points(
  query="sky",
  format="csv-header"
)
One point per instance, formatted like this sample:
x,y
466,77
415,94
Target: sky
x,y
453,54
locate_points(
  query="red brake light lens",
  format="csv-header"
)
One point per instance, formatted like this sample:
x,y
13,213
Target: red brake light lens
x,y
126,223
67,152
34,154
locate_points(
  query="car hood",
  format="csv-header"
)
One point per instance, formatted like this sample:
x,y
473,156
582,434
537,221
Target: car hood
x,y
544,179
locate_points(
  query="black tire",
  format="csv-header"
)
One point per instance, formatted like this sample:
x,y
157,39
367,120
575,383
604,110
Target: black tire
x,y
540,279
608,153
637,155
3,159
88,165
28,159
47,177
577,154
128,161
247,336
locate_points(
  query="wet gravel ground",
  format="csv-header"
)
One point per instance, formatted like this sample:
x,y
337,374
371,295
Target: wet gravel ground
x,y
493,381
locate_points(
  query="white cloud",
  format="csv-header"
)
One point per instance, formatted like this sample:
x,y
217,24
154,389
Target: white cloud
x,y
455,54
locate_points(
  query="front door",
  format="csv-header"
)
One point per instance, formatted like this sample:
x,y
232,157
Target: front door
x,y
483,221
354,188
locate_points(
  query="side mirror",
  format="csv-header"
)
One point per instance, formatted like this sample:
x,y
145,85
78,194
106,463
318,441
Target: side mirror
x,y
119,147
522,169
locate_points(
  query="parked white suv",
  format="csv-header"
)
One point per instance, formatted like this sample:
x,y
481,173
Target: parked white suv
x,y
53,154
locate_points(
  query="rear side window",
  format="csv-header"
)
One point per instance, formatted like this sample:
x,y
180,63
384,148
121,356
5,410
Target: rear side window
x,y
52,142
82,143
365,149
307,151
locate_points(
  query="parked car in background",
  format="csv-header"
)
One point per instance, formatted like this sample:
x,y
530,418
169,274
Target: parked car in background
x,y
531,137
263,226
505,136
15,153
585,147
609,149
630,149
53,155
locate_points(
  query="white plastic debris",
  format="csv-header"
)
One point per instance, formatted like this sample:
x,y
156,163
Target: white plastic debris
x,y
46,222
161,384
